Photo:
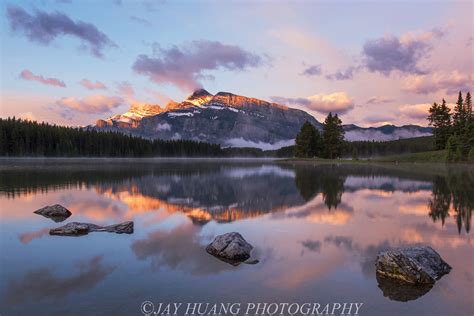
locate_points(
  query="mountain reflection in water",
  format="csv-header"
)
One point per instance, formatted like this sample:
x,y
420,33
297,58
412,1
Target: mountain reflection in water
x,y
316,230
226,193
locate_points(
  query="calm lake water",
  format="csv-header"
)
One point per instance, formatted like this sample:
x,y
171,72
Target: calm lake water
x,y
316,230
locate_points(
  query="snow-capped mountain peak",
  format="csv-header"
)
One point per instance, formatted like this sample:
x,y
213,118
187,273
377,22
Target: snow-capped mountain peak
x,y
234,120
198,98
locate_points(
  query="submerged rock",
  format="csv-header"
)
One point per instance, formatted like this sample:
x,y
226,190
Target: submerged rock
x,y
231,248
400,291
79,229
57,213
413,265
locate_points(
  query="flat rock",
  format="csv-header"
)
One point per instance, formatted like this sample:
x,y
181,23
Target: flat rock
x,y
79,229
413,265
231,248
57,213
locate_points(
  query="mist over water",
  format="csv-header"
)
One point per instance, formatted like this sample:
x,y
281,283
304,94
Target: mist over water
x,y
316,230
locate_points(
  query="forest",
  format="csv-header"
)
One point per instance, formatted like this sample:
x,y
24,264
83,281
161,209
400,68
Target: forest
x,y
25,138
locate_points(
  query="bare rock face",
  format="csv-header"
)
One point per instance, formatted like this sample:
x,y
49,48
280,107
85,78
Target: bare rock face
x,y
57,213
231,248
80,229
413,265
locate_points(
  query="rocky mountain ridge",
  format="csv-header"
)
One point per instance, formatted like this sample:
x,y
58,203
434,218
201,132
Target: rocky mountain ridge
x,y
234,120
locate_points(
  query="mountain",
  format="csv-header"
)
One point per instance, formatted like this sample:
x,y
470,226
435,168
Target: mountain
x,y
224,118
132,118
234,121
385,132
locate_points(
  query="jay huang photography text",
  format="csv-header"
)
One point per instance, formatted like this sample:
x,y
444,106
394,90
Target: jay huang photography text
x,y
255,309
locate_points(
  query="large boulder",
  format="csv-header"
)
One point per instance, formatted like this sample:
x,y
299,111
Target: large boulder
x,y
79,229
57,213
415,265
230,247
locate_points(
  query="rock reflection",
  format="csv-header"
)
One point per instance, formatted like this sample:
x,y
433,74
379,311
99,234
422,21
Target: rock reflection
x,y
401,292
178,249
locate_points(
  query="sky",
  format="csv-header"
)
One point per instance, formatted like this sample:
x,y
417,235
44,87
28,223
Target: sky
x,y
72,62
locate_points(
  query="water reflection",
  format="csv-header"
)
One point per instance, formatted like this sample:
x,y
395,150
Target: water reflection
x,y
177,249
45,283
226,193
316,228
402,292
453,194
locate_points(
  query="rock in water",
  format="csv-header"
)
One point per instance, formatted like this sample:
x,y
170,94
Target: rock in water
x,y
57,213
122,228
79,229
415,265
230,247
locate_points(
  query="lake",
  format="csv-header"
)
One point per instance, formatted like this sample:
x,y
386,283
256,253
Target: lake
x,y
316,229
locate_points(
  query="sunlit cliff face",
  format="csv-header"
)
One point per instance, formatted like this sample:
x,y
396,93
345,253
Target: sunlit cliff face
x,y
131,118
200,98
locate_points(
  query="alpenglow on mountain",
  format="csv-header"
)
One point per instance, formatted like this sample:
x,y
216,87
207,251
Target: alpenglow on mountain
x,y
234,121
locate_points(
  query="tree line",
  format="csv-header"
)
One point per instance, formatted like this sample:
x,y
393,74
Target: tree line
x,y
311,143
364,149
26,138
454,131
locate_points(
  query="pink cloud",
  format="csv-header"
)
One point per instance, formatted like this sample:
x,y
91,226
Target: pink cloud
x,y
379,100
93,104
28,75
29,116
185,66
452,82
126,89
338,102
415,111
418,111
86,83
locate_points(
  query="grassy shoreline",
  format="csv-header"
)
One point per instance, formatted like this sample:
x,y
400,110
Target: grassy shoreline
x,y
421,157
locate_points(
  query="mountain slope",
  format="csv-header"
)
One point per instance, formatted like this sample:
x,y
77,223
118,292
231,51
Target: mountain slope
x,y
236,121
225,118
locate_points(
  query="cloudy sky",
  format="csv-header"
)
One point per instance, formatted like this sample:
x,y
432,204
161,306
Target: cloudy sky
x,y
374,62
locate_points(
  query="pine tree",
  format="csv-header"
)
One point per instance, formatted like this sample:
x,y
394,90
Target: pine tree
x,y
452,148
468,106
308,142
459,116
440,119
333,136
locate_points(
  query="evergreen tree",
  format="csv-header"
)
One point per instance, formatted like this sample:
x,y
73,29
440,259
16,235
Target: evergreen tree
x,y
440,119
468,106
459,116
452,149
333,136
308,142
